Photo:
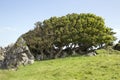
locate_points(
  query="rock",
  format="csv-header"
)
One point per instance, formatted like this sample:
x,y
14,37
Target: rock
x,y
24,59
2,50
18,54
91,54
30,61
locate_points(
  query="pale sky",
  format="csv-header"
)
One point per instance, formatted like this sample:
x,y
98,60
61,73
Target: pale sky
x,y
19,16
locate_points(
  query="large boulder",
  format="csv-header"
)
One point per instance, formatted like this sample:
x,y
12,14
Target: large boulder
x,y
17,54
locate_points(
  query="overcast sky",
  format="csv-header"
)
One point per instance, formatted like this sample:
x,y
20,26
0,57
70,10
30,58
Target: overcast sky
x,y
19,16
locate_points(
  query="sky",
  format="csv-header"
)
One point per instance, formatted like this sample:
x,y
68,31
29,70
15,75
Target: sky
x,y
18,16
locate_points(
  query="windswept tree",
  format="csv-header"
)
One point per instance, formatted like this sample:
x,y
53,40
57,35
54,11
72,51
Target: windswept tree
x,y
82,30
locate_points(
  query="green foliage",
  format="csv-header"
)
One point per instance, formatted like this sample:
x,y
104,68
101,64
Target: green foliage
x,y
117,46
107,50
82,30
19,42
101,67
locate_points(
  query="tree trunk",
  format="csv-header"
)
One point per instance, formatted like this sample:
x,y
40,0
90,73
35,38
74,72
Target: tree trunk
x,y
50,52
58,54
42,54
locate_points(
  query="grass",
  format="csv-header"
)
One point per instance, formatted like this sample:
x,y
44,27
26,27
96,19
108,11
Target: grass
x,y
100,67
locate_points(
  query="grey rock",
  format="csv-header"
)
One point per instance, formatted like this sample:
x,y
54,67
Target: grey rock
x,y
91,54
30,61
17,54
2,50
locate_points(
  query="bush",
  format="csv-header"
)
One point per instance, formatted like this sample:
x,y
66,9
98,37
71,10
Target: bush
x,y
117,46
108,50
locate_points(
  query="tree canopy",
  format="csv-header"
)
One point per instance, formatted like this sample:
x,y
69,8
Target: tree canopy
x,y
68,33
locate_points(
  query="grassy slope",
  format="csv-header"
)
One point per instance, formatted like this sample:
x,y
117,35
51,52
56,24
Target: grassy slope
x,y
101,67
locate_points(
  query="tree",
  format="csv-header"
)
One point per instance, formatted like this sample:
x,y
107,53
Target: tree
x,y
82,30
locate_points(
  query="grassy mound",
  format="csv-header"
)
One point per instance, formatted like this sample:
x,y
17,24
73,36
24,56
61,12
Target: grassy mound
x,y
100,67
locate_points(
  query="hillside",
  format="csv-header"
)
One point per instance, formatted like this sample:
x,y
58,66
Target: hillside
x,y
100,67
58,37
